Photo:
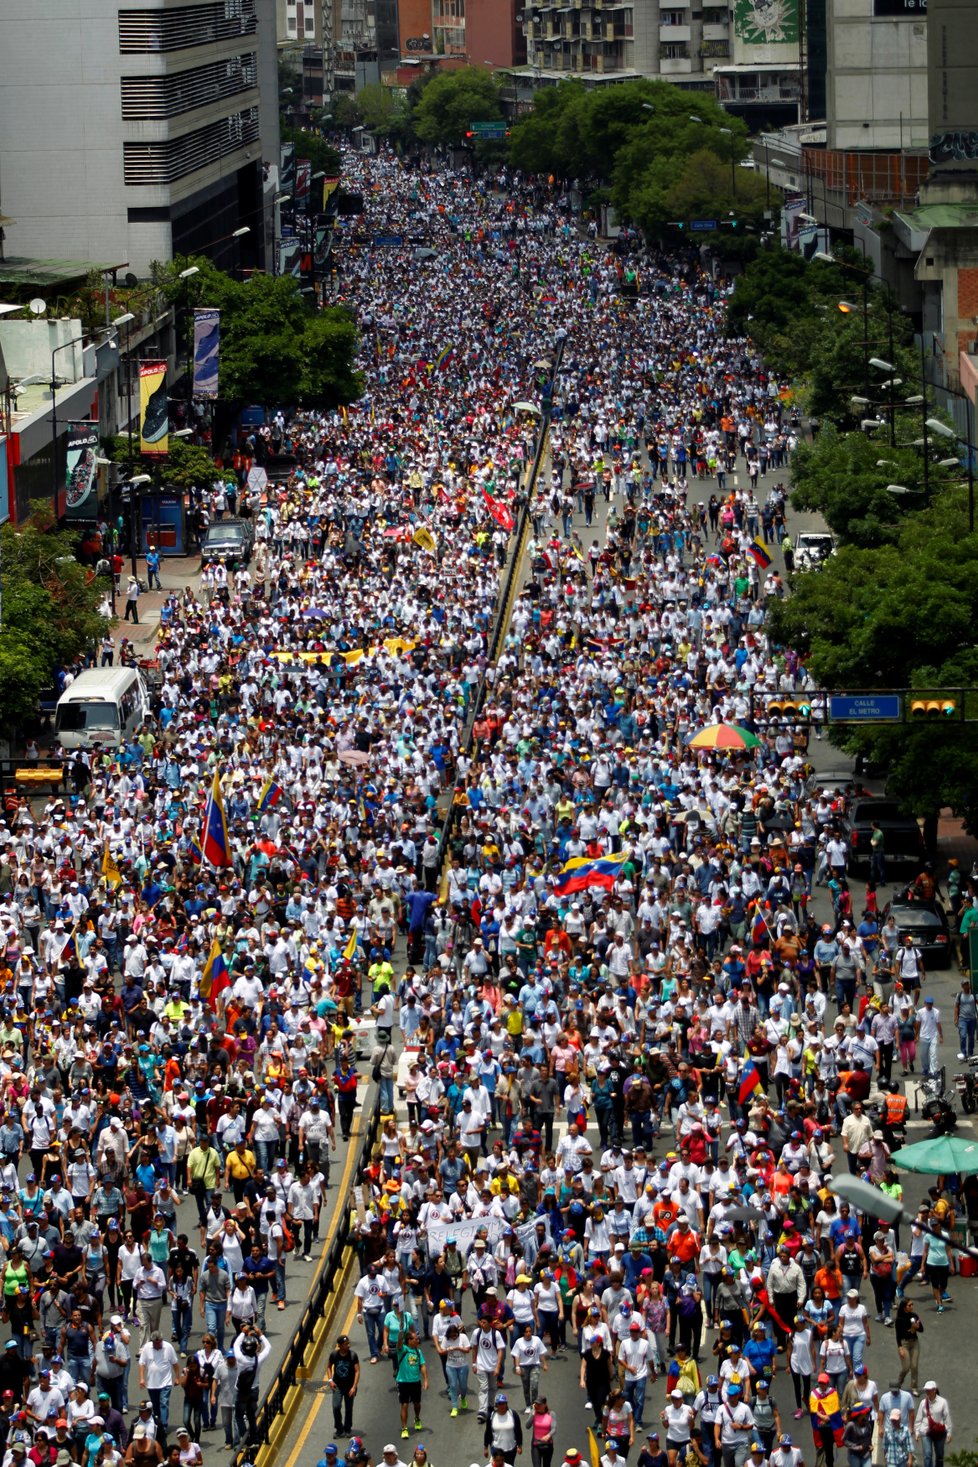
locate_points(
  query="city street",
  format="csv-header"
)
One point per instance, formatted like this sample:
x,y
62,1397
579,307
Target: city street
x,y
945,1346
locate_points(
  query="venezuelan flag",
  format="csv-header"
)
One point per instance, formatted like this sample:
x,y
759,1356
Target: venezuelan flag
x,y
443,356
215,843
270,795
760,931
350,951
759,553
826,1413
749,1081
582,872
215,977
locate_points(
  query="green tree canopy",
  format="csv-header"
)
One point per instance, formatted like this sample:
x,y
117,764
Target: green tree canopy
x,y
641,138
275,348
790,307
900,615
844,477
381,109
50,610
321,154
446,106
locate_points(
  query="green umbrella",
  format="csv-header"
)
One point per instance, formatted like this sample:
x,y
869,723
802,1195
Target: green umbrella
x,y
939,1157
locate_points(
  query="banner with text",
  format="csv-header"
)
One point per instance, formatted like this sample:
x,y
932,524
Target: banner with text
x,y
207,341
467,1229
154,412
81,503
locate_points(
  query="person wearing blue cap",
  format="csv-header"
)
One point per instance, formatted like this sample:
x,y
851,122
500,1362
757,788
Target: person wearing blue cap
x,y
330,1455
226,1376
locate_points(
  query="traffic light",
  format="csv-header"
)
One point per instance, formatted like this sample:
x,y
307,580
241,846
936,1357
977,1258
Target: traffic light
x,y
469,133
933,708
793,710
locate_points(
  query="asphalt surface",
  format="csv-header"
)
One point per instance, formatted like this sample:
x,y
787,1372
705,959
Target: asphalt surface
x,y
947,1345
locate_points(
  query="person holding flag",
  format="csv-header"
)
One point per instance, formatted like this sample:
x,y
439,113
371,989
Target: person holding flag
x,y
215,843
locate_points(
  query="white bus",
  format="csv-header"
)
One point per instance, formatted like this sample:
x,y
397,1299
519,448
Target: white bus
x,y
104,706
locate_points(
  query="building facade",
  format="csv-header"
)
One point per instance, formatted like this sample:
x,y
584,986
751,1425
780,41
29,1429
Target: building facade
x,y
135,130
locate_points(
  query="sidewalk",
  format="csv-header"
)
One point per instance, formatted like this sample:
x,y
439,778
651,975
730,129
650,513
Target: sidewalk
x,y
177,572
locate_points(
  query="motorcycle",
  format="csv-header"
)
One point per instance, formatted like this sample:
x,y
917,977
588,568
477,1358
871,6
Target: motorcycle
x,y
895,1135
966,1084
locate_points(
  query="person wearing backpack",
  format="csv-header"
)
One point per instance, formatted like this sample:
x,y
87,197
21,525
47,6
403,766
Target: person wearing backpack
x,y
383,1060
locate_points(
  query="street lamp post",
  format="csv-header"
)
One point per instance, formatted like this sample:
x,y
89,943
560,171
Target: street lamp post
x,y
871,1200
134,484
75,341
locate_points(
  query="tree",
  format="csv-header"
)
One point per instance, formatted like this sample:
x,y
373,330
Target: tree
x,y
188,466
660,169
844,477
381,109
346,110
790,308
50,609
534,144
451,101
900,615
275,348
322,155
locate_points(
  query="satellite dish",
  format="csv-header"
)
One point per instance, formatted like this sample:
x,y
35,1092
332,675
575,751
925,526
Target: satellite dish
x,y
37,306
131,279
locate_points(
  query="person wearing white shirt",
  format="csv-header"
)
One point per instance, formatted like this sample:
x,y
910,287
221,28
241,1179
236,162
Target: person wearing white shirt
x,y
929,1034
156,1361
530,1357
635,1353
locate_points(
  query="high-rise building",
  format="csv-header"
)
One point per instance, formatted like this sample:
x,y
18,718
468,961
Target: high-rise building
x,y
135,130
744,51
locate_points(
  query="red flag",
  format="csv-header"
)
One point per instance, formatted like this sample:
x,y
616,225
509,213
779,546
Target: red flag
x,y
499,511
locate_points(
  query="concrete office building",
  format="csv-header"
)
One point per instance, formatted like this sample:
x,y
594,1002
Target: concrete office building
x,y
134,130
601,42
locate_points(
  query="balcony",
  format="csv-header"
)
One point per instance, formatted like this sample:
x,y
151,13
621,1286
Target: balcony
x,y
670,33
716,31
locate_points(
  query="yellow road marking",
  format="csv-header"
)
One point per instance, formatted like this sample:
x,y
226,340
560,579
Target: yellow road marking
x,y
317,1405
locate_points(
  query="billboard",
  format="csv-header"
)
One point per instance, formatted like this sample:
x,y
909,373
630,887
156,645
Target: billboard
x,y
286,179
303,184
207,342
81,450
154,411
766,22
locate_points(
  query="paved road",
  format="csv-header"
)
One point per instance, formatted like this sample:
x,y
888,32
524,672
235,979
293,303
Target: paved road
x,y
945,1349
280,1324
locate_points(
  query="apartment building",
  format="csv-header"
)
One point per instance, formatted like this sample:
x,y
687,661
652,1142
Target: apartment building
x,y
133,132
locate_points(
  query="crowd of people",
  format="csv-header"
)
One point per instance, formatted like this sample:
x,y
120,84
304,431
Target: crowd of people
x,y
623,942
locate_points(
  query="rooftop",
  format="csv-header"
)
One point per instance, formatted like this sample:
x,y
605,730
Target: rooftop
x,y
50,274
941,216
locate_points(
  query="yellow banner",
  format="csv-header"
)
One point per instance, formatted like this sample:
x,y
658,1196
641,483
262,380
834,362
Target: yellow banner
x,y
154,413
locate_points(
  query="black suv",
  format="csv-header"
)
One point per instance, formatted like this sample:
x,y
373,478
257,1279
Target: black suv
x,y
903,843
230,540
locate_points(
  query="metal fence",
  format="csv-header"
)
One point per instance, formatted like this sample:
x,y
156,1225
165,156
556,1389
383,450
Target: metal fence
x,y
509,586
287,1374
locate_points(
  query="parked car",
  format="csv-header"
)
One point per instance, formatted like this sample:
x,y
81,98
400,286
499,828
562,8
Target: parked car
x,y
903,844
928,926
230,540
813,548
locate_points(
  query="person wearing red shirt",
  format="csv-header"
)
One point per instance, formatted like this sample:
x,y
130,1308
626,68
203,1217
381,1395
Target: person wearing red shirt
x,y
683,1243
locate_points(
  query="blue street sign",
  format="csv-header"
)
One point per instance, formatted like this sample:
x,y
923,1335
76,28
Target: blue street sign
x,y
702,224
870,708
